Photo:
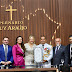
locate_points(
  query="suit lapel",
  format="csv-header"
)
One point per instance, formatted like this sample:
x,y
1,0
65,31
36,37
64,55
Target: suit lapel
x,y
54,49
58,50
3,50
8,50
69,47
60,47
69,50
19,49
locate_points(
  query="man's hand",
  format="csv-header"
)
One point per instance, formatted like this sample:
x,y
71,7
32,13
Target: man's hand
x,y
45,61
8,62
3,62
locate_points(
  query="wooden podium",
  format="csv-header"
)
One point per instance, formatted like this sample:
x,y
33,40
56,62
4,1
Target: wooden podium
x,y
30,69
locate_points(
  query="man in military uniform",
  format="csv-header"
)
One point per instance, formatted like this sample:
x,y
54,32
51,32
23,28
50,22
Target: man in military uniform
x,y
47,52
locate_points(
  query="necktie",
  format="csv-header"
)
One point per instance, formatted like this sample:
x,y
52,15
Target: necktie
x,y
43,45
5,53
56,49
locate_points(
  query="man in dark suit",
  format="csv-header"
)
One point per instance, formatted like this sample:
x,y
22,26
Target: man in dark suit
x,y
69,50
6,57
59,53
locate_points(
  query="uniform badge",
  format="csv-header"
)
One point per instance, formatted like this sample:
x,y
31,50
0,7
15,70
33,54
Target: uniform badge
x,y
47,50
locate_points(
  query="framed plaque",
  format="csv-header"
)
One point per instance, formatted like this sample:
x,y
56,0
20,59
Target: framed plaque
x,y
38,54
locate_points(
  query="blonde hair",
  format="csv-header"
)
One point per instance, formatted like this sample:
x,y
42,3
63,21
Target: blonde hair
x,y
31,36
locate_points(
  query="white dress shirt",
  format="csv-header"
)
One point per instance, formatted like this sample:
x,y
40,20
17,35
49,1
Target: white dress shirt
x,y
70,51
5,46
58,48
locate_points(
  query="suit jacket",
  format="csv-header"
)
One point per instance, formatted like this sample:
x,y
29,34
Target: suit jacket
x,y
61,54
68,52
18,56
9,54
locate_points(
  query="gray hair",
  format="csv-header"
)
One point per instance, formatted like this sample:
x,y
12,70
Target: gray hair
x,y
58,38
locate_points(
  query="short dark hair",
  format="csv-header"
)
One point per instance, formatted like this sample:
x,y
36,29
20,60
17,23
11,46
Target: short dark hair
x,y
5,37
42,36
70,36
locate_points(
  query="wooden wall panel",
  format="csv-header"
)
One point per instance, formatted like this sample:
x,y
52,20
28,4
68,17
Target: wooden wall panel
x,y
38,23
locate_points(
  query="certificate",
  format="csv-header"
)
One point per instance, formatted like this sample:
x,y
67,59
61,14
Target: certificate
x,y
38,54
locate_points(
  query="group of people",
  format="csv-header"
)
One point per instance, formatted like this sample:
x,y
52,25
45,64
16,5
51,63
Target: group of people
x,y
22,55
